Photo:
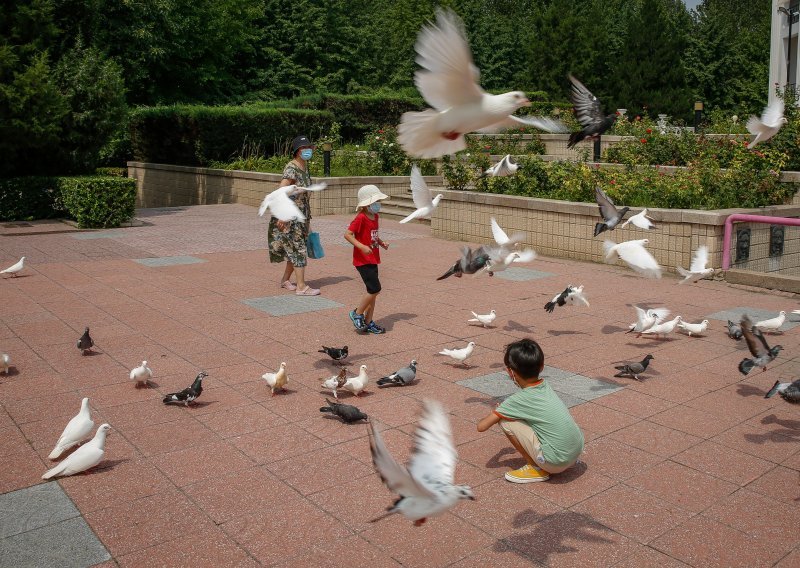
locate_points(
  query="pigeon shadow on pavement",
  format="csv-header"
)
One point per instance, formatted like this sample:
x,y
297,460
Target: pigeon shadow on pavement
x,y
539,546
792,425
93,353
749,390
782,436
514,462
565,332
103,466
150,384
608,329
196,404
326,362
12,372
512,325
481,400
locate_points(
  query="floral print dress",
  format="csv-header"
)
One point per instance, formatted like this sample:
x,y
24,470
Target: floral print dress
x,y
291,244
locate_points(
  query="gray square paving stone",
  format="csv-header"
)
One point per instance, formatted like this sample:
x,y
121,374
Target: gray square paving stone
x,y
516,274
158,262
67,544
34,507
756,314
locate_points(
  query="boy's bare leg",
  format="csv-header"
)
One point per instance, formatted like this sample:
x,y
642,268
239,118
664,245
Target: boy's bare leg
x,y
519,448
367,304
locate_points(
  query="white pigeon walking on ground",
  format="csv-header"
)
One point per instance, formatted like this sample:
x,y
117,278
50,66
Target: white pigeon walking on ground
x,y
693,328
697,270
484,319
75,432
14,268
421,194
505,167
335,382
460,355
280,204
640,220
772,324
426,486
768,125
357,384
634,255
645,319
448,81
276,381
86,457
141,374
5,363
663,329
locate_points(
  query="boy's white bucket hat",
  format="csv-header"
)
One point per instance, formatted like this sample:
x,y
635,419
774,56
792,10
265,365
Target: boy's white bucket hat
x,y
369,194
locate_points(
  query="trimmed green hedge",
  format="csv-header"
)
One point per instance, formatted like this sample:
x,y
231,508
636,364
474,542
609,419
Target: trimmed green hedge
x,y
93,201
195,135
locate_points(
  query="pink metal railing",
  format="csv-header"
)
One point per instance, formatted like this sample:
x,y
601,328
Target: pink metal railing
x,y
726,245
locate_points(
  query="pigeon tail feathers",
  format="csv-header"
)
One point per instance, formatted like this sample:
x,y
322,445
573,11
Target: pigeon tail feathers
x,y
746,366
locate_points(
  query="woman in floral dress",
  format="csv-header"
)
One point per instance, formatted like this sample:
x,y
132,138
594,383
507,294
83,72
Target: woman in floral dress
x,y
287,239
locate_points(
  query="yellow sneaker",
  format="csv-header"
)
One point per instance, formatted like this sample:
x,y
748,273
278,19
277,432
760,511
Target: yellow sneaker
x,y
527,474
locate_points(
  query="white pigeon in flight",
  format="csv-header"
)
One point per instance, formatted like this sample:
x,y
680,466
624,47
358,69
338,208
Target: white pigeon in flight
x,y
484,319
141,374
505,242
86,457
280,204
426,486
460,355
645,319
768,125
77,429
14,268
635,255
448,81
697,270
505,167
423,200
641,220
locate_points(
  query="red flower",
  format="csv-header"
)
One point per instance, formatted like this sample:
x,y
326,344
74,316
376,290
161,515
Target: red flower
x,y
637,118
649,130
613,182
380,131
643,141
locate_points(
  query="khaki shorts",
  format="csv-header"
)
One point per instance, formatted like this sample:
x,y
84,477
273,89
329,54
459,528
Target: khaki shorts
x,y
529,441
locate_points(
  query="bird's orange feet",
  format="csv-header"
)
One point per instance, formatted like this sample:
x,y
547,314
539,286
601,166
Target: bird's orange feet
x,y
420,522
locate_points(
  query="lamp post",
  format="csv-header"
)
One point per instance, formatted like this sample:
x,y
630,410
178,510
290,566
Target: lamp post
x,y
789,14
326,158
698,115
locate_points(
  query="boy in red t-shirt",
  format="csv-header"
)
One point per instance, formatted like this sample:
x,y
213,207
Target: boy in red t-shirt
x,y
363,235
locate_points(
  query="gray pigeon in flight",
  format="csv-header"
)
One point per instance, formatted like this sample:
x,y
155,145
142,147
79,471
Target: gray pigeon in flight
x,y
588,112
790,392
85,342
608,211
347,412
401,378
762,353
469,263
633,369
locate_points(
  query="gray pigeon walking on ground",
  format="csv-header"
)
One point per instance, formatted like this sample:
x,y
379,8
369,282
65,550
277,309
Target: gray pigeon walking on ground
x,y
608,211
347,412
634,369
734,330
401,378
762,353
85,343
790,392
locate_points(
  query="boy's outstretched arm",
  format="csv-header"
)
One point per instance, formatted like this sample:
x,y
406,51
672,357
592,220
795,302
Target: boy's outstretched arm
x,y
490,420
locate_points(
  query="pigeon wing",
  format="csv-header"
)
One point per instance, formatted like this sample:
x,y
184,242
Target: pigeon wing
x,y
434,457
419,189
282,207
449,77
640,221
551,125
754,338
773,114
699,259
639,259
607,209
527,255
394,476
500,236
587,107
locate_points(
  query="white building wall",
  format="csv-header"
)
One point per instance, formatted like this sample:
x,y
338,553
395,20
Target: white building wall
x,y
778,51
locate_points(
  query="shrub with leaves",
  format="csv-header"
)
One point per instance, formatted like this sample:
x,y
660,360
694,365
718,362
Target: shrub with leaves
x,y
98,202
29,198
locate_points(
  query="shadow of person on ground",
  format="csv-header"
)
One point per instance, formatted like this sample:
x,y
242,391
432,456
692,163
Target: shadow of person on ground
x,y
389,321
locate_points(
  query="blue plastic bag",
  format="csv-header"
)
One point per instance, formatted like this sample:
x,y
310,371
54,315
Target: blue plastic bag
x,y
314,246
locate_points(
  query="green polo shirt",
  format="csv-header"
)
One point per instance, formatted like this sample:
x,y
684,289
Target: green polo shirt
x,y
547,415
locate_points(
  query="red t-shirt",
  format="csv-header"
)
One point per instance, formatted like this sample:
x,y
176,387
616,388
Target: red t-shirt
x,y
365,231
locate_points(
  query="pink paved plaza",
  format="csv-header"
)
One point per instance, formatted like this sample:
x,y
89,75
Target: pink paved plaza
x,y
692,466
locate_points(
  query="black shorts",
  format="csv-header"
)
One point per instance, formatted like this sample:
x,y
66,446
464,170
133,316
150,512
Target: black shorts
x,y
369,274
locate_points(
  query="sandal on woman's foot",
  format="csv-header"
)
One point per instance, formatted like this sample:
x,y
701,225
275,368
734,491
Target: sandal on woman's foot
x,y
308,291
289,286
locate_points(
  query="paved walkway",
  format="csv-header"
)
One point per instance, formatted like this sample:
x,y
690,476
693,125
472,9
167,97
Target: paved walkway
x,y
691,466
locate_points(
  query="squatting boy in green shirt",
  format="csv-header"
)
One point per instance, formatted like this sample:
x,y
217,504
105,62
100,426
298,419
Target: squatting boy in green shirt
x,y
535,420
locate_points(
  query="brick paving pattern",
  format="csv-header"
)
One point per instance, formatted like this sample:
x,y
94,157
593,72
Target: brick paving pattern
x,y
690,466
